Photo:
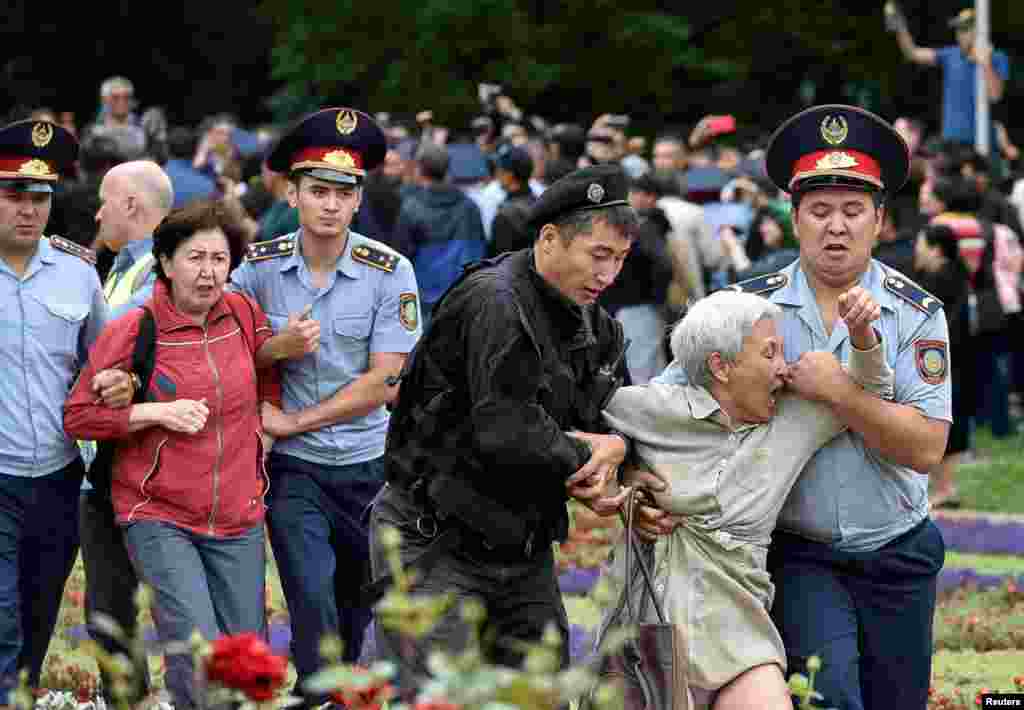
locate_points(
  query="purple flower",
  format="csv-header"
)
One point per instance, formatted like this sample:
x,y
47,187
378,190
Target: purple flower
x,y
981,536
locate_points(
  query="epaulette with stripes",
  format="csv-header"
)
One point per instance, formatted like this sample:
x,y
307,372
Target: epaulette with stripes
x,y
68,246
761,284
282,246
913,294
377,258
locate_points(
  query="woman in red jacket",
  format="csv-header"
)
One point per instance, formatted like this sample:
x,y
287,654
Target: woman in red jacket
x,y
188,482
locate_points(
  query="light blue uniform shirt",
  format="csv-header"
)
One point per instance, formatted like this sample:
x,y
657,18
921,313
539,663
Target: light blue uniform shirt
x,y
48,320
360,312
848,495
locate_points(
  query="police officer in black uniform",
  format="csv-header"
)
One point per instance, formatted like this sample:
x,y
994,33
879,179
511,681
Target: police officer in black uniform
x,y
498,422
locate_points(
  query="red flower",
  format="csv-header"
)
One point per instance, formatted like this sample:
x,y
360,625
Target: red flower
x,y
245,662
1019,681
370,697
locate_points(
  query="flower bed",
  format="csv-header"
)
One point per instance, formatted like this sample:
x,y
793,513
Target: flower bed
x,y
981,535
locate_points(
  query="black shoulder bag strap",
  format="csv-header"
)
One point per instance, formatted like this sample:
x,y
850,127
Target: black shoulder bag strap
x,y
143,359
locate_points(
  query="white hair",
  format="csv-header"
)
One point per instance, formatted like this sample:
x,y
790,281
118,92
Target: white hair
x,y
114,83
718,323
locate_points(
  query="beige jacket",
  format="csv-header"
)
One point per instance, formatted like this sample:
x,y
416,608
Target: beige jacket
x,y
710,574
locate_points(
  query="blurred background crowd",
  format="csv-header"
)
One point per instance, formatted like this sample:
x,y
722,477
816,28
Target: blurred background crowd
x,y
465,164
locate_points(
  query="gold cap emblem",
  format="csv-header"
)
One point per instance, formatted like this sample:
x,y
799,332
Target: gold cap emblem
x,y
36,168
42,134
834,129
346,122
341,159
595,193
837,160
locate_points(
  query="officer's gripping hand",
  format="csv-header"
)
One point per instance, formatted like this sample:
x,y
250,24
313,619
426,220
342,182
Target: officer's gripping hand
x,y
650,522
607,452
113,387
858,309
276,423
186,416
300,337
819,377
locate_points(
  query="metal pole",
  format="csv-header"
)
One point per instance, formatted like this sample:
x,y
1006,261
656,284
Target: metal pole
x,y
982,121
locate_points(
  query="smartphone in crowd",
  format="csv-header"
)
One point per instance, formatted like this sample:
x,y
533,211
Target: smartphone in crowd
x,y
721,125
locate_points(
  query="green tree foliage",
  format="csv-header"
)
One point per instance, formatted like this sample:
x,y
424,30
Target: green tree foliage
x,y
572,59
407,55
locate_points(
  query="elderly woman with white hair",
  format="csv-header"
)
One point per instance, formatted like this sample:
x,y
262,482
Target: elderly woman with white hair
x,y
730,446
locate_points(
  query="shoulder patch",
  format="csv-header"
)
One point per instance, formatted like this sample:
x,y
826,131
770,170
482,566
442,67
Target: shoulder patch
x,y
66,245
377,258
760,285
282,246
913,294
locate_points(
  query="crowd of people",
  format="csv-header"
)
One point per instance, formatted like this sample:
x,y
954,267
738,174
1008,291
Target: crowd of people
x,y
285,328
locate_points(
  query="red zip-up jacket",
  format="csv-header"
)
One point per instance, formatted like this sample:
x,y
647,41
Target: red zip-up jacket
x,y
212,482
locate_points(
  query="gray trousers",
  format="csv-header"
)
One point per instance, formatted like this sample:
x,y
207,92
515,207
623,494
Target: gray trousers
x,y
520,598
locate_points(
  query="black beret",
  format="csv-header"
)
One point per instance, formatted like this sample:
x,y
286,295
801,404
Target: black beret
x,y
34,154
585,189
333,144
837,145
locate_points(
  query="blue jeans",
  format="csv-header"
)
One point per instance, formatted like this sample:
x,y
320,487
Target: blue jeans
x,y
867,615
992,368
38,544
211,584
319,532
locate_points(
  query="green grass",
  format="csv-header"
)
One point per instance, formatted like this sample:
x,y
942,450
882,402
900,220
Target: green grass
x,y
996,482
986,564
969,671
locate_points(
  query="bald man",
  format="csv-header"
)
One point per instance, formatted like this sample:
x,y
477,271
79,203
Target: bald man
x,y
134,199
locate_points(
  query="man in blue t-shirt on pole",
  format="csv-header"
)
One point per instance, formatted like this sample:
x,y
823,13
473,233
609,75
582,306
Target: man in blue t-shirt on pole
x,y
958,63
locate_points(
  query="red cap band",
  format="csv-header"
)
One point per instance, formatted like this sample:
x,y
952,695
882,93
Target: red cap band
x,y
330,157
26,168
848,163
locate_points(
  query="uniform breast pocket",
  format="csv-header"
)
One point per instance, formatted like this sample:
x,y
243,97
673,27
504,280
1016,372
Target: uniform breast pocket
x,y
56,325
351,336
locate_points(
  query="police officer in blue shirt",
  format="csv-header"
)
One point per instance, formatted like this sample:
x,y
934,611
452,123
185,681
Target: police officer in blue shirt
x,y
855,557
51,310
352,305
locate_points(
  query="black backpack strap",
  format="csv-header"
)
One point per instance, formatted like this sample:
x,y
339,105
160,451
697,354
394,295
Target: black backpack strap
x,y
230,298
144,353
101,469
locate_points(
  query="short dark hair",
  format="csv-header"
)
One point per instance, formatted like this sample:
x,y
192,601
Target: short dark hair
x,y
646,183
943,237
620,217
198,216
98,154
957,193
433,160
181,142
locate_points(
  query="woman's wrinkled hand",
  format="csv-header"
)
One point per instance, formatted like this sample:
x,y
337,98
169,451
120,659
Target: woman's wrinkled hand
x,y
186,416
